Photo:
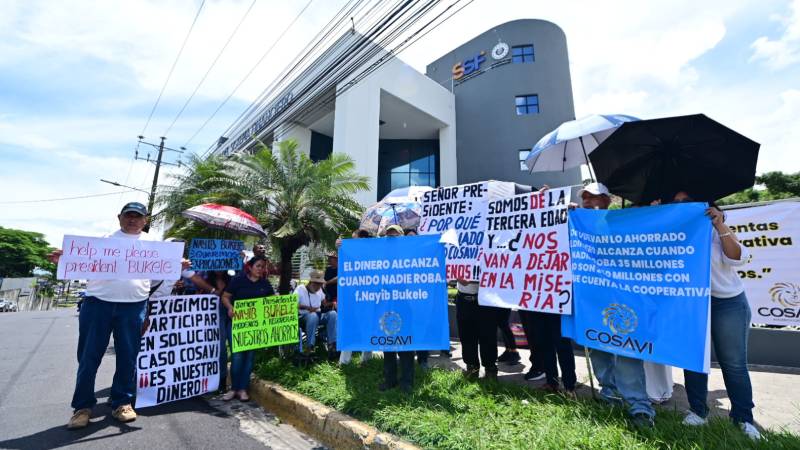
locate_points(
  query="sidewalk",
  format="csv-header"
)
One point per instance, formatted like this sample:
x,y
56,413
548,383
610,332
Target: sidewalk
x,y
775,392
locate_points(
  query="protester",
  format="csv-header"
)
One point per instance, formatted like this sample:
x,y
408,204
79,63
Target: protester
x,y
219,280
422,355
621,378
346,356
164,288
311,301
111,306
252,284
261,250
730,326
390,358
658,380
331,280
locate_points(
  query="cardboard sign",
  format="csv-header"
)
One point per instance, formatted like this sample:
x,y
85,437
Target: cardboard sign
x,y
525,259
772,276
91,258
216,254
179,353
264,322
461,211
392,294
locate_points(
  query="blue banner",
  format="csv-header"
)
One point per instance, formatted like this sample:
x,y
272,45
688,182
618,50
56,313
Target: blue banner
x,y
216,254
392,294
641,283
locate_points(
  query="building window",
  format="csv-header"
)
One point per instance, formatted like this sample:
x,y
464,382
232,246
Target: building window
x,y
527,104
522,54
523,155
407,162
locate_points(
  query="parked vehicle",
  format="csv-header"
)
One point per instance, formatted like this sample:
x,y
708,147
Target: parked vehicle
x,y
3,305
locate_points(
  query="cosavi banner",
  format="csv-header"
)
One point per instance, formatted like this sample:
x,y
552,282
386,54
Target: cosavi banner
x,y
91,258
641,283
459,212
772,277
179,352
392,294
525,258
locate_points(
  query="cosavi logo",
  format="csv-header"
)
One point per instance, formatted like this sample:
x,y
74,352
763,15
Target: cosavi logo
x,y
787,295
391,323
621,320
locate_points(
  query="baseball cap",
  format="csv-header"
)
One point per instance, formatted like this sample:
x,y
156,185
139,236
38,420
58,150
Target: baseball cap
x,y
595,189
394,227
136,207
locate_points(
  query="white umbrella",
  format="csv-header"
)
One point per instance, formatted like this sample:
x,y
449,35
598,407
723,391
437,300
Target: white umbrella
x,y
569,145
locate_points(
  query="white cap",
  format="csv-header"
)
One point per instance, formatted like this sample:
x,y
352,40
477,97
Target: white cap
x,y
595,189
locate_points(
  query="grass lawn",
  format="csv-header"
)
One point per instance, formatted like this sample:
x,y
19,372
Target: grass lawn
x,y
448,412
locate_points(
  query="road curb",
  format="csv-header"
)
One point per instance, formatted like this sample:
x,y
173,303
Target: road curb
x,y
329,426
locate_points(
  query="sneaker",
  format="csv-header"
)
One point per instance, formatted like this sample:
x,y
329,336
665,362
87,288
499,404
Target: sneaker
x,y
228,396
693,420
534,375
242,396
750,430
472,373
80,419
509,357
124,413
642,420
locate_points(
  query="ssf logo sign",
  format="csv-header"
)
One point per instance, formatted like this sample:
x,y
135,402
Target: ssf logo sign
x,y
473,64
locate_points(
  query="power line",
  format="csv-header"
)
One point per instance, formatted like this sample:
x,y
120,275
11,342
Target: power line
x,y
16,202
214,63
174,63
249,73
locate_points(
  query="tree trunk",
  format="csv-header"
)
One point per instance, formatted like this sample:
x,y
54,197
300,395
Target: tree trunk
x,y
287,250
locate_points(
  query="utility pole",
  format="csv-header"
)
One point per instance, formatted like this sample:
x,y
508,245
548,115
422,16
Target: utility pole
x,y
158,162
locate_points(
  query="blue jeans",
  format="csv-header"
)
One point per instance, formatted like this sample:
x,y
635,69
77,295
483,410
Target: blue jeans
x,y
730,326
621,376
241,365
97,321
311,321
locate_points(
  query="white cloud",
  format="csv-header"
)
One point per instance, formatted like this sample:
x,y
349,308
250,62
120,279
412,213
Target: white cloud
x,y
784,51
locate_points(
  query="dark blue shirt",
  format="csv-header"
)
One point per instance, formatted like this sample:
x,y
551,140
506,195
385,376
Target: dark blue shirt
x,y
242,288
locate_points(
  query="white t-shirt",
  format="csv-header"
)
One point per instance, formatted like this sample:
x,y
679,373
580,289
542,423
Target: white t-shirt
x,y
165,288
307,299
725,282
121,291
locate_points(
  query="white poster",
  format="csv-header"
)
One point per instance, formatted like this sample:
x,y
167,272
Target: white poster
x,y
459,213
772,277
93,258
525,257
179,353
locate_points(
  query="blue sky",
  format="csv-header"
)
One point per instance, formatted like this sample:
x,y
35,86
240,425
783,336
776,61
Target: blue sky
x,y
78,79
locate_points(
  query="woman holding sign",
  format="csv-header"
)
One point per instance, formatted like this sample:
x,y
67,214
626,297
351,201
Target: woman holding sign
x,y
730,324
250,284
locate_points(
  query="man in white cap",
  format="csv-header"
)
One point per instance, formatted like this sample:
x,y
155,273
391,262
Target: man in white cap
x,y
310,299
619,376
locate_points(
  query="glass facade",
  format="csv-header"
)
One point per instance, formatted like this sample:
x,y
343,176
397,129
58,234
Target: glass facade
x,y
527,104
407,162
523,155
522,54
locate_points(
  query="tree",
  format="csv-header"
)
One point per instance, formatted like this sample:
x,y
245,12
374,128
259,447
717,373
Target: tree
x,y
296,200
21,252
778,185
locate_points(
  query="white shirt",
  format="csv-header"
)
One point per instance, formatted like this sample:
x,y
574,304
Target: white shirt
x,y
307,299
165,288
725,282
470,288
121,291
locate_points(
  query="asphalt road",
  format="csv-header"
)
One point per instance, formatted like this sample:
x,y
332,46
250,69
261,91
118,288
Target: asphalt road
x,y
37,377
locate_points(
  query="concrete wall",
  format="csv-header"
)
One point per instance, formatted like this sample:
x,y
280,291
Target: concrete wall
x,y
490,133
356,126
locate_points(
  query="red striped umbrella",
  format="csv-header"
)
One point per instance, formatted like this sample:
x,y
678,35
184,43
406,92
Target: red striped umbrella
x,y
226,218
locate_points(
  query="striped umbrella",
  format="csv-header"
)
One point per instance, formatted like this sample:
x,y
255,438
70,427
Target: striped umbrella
x,y
226,218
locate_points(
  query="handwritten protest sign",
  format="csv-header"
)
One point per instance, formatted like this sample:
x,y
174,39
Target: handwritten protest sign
x,y
179,352
216,254
392,294
91,258
264,322
461,210
772,276
641,283
525,261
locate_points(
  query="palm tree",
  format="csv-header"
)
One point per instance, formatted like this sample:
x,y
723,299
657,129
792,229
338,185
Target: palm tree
x,y
296,200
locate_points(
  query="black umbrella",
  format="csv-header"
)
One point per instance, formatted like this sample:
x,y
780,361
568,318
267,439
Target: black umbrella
x,y
653,159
